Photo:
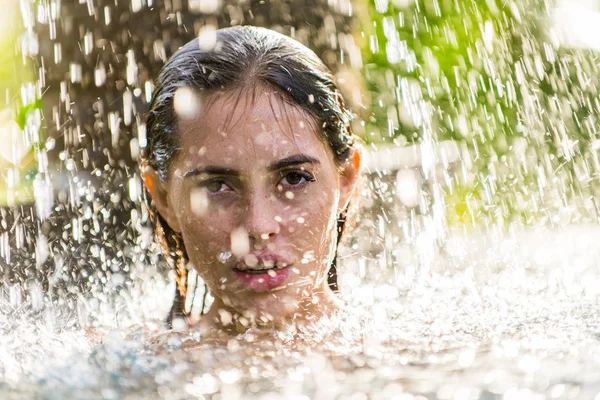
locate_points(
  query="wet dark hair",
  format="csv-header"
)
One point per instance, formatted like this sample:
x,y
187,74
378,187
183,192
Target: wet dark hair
x,y
242,56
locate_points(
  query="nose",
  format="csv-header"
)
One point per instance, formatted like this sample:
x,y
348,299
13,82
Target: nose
x,y
261,217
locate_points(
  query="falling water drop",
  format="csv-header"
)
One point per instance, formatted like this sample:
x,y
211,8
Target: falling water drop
x,y
199,201
186,103
224,256
240,244
207,38
75,72
100,75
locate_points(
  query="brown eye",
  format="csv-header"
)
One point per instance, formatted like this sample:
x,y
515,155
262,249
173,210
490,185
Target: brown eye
x,y
294,178
214,186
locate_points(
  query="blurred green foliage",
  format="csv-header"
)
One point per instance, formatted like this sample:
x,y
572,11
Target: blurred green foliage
x,y
455,51
522,106
12,73
16,175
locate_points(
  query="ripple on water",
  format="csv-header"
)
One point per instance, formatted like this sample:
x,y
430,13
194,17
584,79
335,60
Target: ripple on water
x,y
515,324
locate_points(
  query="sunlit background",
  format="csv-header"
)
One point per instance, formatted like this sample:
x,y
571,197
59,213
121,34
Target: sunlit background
x,y
474,265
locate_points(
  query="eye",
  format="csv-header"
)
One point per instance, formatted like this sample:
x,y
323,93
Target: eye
x,y
296,179
216,186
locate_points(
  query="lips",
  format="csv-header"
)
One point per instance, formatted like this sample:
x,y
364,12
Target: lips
x,y
258,262
262,271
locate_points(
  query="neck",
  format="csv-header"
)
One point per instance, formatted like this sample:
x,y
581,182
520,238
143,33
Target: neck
x,y
321,303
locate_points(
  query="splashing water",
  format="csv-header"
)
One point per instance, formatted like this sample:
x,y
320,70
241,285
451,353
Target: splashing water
x,y
473,270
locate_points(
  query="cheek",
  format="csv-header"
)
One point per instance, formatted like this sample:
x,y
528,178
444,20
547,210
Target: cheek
x,y
206,237
312,223
205,242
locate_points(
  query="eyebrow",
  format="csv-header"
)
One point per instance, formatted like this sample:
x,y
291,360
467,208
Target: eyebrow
x,y
211,170
296,159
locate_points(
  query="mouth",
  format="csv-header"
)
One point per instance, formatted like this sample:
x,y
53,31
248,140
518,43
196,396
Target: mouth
x,y
260,269
262,272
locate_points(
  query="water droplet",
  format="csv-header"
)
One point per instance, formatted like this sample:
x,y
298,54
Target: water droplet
x,y
224,256
75,72
88,43
179,324
107,15
43,194
198,201
251,260
207,38
225,316
240,244
134,188
408,187
127,107
186,103
134,148
143,140
205,6
229,376
70,164
29,44
100,75
132,68
36,295
136,5
41,250
148,90
466,358
57,53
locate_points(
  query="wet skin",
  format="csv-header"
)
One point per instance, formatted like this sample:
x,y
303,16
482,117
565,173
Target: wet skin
x,y
254,178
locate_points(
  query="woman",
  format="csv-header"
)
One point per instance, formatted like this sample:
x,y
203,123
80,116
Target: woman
x,y
251,165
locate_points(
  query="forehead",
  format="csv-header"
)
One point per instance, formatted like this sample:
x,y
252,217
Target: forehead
x,y
256,125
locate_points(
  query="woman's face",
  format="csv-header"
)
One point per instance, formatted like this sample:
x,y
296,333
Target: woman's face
x,y
255,194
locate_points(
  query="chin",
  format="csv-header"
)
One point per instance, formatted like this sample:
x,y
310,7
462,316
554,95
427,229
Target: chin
x,y
267,306
282,297
277,308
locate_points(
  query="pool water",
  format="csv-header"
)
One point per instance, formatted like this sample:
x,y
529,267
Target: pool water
x,y
514,317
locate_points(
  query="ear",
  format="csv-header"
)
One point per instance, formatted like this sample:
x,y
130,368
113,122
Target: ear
x,y
349,177
160,197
